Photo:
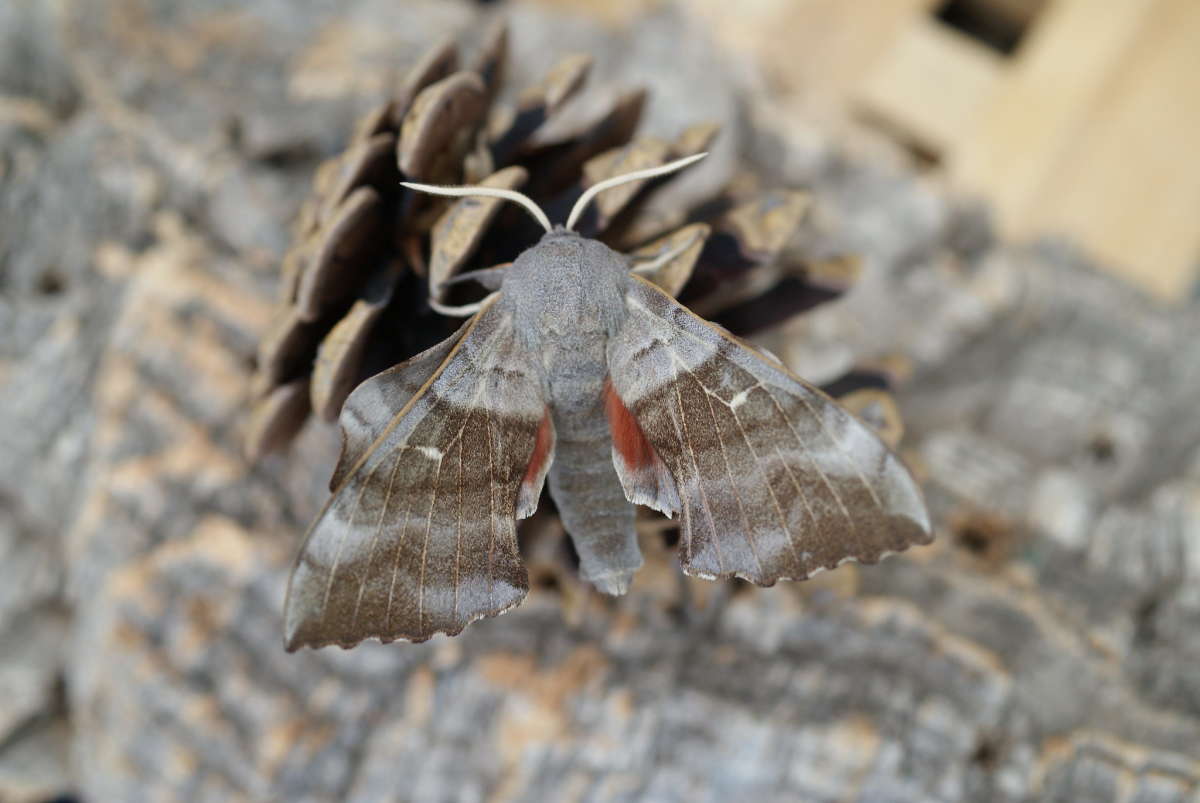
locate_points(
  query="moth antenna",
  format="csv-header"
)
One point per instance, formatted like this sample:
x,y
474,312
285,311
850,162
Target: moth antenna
x,y
649,268
465,311
490,278
625,178
490,192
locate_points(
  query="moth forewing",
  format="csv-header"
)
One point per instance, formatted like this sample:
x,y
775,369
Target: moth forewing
x,y
775,480
419,537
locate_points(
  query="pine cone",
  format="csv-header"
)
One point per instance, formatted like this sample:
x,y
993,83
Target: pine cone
x,y
356,285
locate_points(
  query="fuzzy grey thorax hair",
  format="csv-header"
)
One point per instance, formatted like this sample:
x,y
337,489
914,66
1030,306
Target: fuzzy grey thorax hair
x,y
566,286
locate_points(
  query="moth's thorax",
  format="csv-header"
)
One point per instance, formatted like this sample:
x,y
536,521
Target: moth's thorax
x,y
567,296
566,287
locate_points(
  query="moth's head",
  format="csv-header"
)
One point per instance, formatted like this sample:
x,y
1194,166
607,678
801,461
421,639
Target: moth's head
x,y
559,246
566,283
565,258
560,232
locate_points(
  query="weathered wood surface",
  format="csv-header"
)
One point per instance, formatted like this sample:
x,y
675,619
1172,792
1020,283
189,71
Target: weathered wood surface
x,y
1047,647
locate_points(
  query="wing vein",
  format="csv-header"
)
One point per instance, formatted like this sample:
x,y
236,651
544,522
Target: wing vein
x,y
490,346
459,531
491,566
796,484
712,413
387,616
758,462
712,528
816,468
437,477
845,454
387,501
337,555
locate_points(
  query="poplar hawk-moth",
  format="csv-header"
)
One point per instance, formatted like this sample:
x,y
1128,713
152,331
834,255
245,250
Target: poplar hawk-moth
x,y
578,370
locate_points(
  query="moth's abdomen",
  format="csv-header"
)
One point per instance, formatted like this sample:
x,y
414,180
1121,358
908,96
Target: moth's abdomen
x,y
583,480
591,502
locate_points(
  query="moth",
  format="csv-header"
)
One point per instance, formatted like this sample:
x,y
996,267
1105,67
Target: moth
x,y
579,371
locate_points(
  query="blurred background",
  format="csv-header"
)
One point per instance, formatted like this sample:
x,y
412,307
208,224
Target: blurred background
x,y
996,203
1070,118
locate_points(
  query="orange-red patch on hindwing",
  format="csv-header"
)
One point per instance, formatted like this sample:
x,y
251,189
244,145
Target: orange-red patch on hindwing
x,y
541,451
535,472
627,435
